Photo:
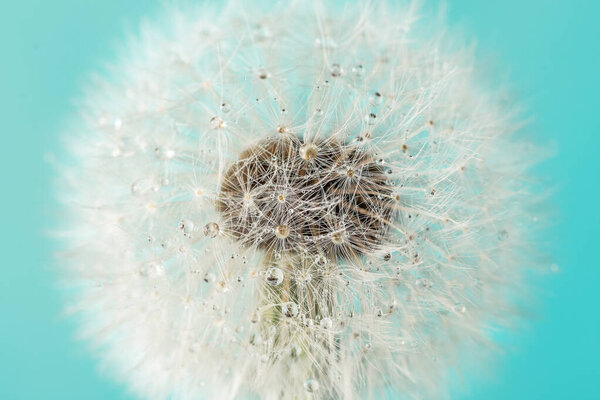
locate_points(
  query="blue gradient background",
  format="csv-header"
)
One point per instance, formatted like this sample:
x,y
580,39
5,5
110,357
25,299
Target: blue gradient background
x,y
48,46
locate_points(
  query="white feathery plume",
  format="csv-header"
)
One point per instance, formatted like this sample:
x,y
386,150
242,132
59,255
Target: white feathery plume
x,y
295,201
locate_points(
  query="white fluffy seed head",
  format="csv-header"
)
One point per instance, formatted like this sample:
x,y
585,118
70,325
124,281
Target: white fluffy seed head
x,y
294,201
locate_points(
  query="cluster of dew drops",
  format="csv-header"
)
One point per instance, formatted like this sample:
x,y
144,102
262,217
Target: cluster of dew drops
x,y
273,275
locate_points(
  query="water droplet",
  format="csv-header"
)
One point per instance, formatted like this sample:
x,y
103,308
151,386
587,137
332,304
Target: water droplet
x,y
225,108
216,123
423,283
211,230
308,151
262,74
255,339
371,119
289,309
311,385
320,260
302,277
358,71
295,350
376,98
326,323
143,186
163,154
460,308
393,305
143,271
282,231
255,317
307,322
186,226
209,277
336,70
260,33
274,276
325,42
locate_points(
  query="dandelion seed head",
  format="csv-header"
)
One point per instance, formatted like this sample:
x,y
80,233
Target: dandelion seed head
x,y
300,200
284,174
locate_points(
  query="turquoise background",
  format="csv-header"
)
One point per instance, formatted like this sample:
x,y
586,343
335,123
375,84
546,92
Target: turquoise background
x,y
552,50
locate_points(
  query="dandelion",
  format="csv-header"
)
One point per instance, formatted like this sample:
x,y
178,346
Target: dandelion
x,y
296,202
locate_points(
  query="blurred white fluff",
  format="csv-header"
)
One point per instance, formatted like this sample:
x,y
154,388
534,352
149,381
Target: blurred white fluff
x,y
181,308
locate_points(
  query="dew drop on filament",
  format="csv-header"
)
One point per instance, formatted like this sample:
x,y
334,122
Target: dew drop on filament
x,y
372,118
326,323
186,226
274,276
311,385
209,277
289,309
376,99
225,108
163,154
216,123
211,230
358,71
320,260
282,231
335,70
